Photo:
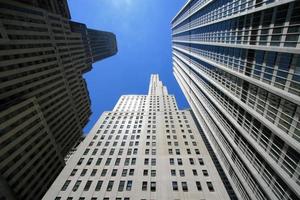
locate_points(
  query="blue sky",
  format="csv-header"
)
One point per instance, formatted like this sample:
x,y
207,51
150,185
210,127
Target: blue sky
x,y
143,35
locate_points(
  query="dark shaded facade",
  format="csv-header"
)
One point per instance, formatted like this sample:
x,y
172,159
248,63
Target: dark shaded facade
x,y
44,101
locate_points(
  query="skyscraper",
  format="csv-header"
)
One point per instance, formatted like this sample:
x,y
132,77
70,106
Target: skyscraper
x,y
237,63
44,102
144,149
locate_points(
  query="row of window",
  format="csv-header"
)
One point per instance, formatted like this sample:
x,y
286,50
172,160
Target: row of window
x,y
127,186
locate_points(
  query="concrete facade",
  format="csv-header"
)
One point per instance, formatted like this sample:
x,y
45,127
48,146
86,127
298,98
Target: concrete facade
x,y
144,149
44,102
237,63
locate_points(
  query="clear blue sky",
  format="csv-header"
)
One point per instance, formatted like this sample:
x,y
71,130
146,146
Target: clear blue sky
x,y
143,35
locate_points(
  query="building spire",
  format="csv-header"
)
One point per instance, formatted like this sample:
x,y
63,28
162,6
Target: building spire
x,y
156,87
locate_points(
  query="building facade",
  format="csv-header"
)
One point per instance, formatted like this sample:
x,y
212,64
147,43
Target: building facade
x,y
144,149
237,63
44,101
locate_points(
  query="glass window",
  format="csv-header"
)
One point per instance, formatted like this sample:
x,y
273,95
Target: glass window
x,y
110,186
99,185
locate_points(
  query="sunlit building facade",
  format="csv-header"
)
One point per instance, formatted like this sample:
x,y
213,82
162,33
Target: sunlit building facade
x,y
144,149
44,101
238,64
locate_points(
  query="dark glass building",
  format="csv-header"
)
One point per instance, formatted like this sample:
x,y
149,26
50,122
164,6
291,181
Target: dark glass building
x,y
44,101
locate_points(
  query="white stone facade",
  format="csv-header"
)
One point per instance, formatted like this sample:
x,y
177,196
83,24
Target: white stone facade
x,y
144,149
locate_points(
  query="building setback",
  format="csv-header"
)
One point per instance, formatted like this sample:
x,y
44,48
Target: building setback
x,y
44,101
144,149
237,63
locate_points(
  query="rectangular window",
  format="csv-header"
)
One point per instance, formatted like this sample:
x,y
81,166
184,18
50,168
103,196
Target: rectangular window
x,y
108,161
145,173
65,186
89,162
99,185
104,171
153,186
124,172
195,172
110,186
153,161
201,162
146,161
198,185
98,161
121,186
83,172
94,172
144,185
117,161
210,186
76,186
173,172
184,186
114,172
87,185
179,161
205,173
129,185
73,172
181,173
131,172
175,185
153,173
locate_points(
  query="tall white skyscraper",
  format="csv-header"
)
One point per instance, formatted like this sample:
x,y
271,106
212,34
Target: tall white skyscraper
x,y
144,149
238,64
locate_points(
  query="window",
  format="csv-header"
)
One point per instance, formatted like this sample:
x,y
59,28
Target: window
x,y
80,161
73,172
146,161
98,161
110,185
175,185
184,186
104,171
133,161
76,186
153,186
108,161
205,173
179,161
198,185
131,172
114,172
144,185
117,161
90,160
191,161
121,186
65,186
201,162
129,185
124,172
94,172
173,172
99,185
195,173
181,173
145,173
83,172
153,161
87,185
210,186
153,173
